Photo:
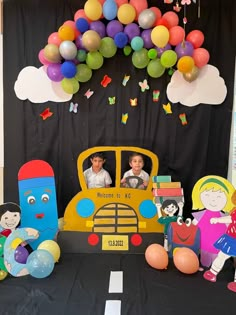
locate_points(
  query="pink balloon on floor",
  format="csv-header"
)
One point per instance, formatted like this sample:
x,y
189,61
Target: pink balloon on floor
x,y
156,256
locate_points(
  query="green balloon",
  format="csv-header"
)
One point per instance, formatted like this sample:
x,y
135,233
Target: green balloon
x,y
152,53
107,47
81,55
84,73
140,58
94,60
155,68
127,50
168,58
70,86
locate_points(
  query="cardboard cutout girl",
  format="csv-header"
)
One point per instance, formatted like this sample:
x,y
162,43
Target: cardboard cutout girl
x,y
211,195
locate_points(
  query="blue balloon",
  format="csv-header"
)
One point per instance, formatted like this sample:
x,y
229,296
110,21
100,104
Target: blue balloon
x,y
121,39
82,25
68,69
40,263
109,9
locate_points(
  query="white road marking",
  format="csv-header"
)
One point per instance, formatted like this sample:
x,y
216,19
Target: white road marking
x,y
116,282
113,307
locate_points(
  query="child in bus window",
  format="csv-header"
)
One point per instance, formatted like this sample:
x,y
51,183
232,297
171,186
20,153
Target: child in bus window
x,y
136,163
96,176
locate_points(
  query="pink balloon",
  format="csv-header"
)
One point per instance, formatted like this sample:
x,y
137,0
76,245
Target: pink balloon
x,y
157,12
54,39
172,18
81,14
196,38
201,57
42,59
177,34
120,2
139,6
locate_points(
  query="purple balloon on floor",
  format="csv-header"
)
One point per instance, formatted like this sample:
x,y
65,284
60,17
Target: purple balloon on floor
x,y
21,254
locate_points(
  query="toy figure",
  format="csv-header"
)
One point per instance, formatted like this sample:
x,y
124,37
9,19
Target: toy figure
x,y
10,216
38,203
211,193
226,245
183,234
169,207
96,176
131,177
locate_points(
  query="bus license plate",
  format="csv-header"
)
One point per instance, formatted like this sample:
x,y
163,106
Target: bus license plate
x,y
115,242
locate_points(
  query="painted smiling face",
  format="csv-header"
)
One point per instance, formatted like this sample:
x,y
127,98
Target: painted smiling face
x,y
10,220
37,194
184,234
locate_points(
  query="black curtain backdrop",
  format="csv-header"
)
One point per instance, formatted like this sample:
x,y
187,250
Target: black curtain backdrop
x,y
185,152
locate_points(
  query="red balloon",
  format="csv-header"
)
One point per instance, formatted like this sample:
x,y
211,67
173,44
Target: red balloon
x,y
163,22
196,38
201,57
171,18
186,260
156,256
139,6
177,34
158,14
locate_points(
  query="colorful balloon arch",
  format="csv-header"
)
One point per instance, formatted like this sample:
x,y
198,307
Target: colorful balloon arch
x,y
157,42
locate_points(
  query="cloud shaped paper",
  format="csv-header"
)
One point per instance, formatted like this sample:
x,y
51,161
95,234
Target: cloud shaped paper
x,y
33,84
208,88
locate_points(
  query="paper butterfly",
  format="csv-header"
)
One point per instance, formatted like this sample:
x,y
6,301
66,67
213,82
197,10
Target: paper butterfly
x,y
167,108
183,119
185,21
183,2
73,107
155,95
126,79
106,80
112,100
46,114
144,85
124,118
133,101
177,7
88,94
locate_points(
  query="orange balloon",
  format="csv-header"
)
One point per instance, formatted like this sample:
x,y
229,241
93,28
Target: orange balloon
x,y
156,256
185,64
186,260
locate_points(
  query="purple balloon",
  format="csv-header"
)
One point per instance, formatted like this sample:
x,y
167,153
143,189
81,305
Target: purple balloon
x,y
21,255
184,49
132,30
98,27
79,43
114,27
146,36
54,72
161,50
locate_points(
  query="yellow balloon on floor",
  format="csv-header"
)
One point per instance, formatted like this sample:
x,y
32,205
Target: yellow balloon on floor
x,y
52,247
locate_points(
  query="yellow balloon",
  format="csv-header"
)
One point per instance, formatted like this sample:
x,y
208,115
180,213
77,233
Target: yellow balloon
x,y
160,36
91,40
70,86
126,13
185,64
3,274
93,9
52,247
52,53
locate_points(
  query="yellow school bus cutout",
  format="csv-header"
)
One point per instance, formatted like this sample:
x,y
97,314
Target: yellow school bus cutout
x,y
114,219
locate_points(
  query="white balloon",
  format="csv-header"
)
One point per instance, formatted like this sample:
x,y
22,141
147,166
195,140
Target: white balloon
x,y
146,18
68,50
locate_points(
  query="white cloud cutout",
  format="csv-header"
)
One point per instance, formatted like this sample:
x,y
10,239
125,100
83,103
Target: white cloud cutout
x,y
33,84
208,88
